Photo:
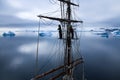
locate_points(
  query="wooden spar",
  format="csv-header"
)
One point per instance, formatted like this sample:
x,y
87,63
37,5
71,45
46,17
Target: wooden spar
x,y
59,19
68,2
63,73
57,76
47,73
80,60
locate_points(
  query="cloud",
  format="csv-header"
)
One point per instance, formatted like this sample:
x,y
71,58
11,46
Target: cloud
x,y
9,20
14,3
38,6
97,11
27,15
115,21
92,11
22,12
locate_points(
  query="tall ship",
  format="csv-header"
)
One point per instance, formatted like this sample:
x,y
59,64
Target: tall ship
x,y
72,66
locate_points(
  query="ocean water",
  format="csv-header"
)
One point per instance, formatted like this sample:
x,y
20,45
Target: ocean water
x,y
17,55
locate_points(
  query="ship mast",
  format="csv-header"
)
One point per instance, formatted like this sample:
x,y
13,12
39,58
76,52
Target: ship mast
x,y
68,44
69,64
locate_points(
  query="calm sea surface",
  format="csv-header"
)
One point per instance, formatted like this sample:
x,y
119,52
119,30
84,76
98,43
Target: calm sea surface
x,y
17,56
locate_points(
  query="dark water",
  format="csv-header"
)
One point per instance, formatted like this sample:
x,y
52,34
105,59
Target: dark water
x,y
102,56
17,56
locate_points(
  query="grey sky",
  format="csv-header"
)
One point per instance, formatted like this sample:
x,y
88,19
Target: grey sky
x,y
91,11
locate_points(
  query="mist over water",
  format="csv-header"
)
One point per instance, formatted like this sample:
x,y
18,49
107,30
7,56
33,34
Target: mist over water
x,y
17,56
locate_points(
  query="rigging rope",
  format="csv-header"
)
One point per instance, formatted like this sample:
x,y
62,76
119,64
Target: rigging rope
x,y
52,12
59,52
53,2
37,51
57,55
83,74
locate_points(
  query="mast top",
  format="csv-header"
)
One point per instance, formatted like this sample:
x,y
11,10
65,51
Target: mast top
x,y
68,20
65,1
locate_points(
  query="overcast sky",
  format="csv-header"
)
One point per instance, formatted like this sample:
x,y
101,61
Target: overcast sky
x,y
91,11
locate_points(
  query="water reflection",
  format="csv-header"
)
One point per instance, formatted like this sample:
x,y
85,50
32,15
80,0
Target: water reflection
x,y
17,56
16,63
102,56
27,48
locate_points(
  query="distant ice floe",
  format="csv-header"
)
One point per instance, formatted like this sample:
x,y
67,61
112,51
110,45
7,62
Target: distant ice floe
x,y
8,34
48,34
45,34
116,33
104,34
33,33
109,32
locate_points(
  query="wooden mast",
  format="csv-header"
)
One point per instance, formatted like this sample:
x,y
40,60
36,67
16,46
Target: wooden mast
x,y
68,41
68,62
